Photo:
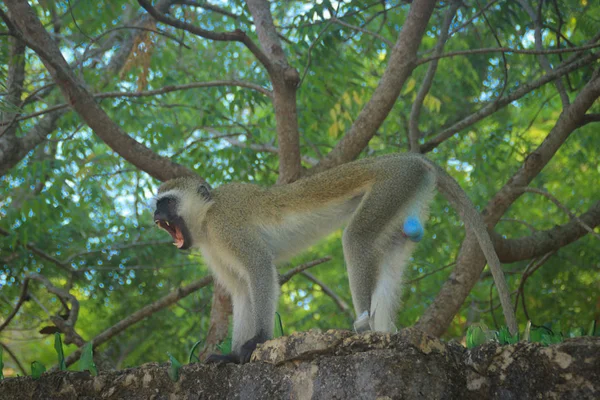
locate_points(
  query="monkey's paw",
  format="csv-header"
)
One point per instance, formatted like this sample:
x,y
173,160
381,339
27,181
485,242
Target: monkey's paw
x,y
249,347
413,229
222,359
362,323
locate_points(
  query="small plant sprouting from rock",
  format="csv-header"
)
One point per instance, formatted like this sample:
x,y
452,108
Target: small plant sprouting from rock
x,y
37,369
62,366
478,334
86,362
174,368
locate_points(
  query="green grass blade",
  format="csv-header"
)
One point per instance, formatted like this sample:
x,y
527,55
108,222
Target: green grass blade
x,y
59,352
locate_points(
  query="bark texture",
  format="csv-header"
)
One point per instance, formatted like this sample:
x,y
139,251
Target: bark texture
x,y
340,365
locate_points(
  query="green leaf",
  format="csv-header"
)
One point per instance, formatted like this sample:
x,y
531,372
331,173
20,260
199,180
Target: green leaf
x,y
62,366
1,363
535,334
591,329
278,331
37,369
504,336
86,362
577,332
174,368
192,357
476,335
549,338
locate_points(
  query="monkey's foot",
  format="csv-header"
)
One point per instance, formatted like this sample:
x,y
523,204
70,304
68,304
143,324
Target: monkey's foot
x,y
362,323
413,229
222,359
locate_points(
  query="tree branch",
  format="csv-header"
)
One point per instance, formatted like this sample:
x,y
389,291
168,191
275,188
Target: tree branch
x,y
206,6
425,60
285,80
414,134
155,92
142,313
543,60
400,65
31,247
31,30
471,261
542,242
266,148
589,118
283,278
66,326
342,305
14,83
338,21
494,106
20,302
235,36
559,205
15,359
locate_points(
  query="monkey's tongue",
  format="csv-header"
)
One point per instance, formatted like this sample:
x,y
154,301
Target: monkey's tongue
x,y
178,238
174,231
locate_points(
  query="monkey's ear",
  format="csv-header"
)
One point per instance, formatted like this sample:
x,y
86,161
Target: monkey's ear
x,y
204,190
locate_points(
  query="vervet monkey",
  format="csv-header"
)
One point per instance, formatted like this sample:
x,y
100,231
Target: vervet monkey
x,y
244,230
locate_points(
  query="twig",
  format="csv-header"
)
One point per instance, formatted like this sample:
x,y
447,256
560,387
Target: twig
x,y
507,50
342,305
14,357
66,326
338,21
527,224
206,6
410,282
413,132
494,106
504,61
310,48
117,247
41,253
15,310
267,148
142,313
559,205
283,278
155,92
235,36
533,266
543,60
477,14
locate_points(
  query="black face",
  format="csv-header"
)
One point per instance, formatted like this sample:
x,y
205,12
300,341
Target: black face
x,y
166,218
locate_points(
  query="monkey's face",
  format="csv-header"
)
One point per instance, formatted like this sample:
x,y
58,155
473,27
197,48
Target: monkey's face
x,y
166,217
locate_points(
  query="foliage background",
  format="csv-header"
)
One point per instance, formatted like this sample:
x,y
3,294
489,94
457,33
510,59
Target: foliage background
x,y
75,199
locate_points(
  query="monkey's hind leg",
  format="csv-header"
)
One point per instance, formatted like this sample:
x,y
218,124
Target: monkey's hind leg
x,y
366,247
386,297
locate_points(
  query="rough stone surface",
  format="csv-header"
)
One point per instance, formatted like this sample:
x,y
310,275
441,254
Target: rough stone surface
x,y
341,365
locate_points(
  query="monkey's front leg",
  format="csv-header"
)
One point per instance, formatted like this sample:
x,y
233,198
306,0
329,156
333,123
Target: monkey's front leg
x,y
243,326
264,294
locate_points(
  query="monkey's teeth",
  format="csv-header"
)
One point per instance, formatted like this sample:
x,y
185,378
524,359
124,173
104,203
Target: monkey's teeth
x,y
167,222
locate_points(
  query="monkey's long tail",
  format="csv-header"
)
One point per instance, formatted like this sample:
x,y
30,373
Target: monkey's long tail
x,y
463,205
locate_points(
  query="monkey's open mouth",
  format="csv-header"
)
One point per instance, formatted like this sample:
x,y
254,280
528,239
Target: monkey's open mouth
x,y
173,230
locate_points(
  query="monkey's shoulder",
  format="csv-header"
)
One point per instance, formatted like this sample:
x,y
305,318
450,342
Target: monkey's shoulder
x,y
238,191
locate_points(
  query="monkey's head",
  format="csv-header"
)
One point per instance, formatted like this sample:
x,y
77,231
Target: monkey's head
x,y
181,204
